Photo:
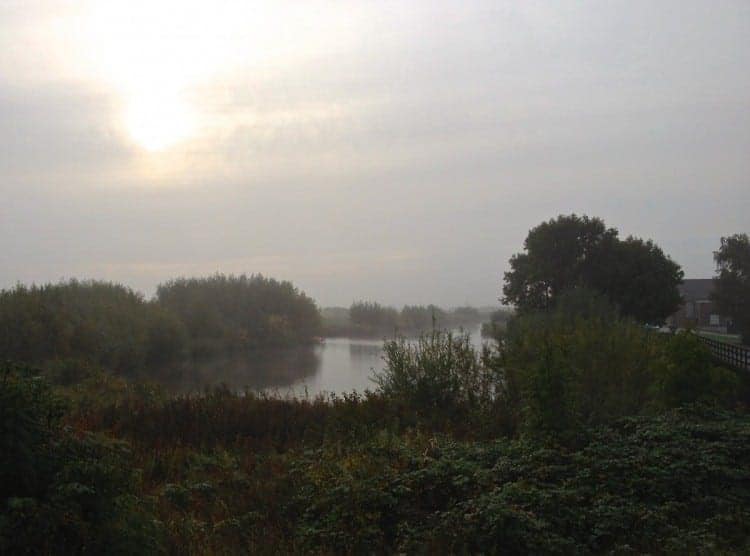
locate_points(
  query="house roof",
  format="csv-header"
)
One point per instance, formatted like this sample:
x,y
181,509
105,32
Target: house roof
x,y
696,289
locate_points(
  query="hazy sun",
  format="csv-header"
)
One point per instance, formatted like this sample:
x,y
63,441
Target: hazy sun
x,y
155,54
157,121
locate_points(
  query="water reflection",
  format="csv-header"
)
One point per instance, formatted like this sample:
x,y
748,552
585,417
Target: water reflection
x,y
337,365
253,371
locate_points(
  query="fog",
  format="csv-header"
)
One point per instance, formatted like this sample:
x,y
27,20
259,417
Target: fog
x,y
384,150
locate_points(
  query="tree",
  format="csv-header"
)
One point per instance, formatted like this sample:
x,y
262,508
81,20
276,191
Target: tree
x,y
571,252
638,278
373,315
101,323
556,253
732,283
233,313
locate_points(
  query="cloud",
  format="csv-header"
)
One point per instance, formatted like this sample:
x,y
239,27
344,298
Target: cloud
x,y
57,131
403,161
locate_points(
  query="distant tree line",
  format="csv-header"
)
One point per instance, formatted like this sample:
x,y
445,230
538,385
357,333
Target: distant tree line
x,y
237,312
497,324
111,326
368,318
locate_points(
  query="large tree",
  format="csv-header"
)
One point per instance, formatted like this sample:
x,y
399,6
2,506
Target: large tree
x,y
637,277
555,258
732,282
572,251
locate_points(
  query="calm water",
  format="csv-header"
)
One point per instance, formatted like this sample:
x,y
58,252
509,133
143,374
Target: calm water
x,y
336,365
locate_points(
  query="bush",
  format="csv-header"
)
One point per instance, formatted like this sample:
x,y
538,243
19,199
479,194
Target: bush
x,y
686,373
676,483
443,378
63,491
579,365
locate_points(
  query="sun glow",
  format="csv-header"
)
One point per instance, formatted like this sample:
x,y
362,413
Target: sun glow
x,y
157,122
165,59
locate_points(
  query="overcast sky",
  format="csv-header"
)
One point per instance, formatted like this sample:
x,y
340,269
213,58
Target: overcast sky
x,y
394,151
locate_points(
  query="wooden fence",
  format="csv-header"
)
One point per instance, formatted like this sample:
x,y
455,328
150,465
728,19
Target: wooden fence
x,y
729,354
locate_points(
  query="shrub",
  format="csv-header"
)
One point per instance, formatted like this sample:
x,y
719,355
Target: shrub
x,y
686,373
676,483
578,365
443,378
63,491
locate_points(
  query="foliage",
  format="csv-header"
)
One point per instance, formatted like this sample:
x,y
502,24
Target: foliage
x,y
555,256
637,277
97,322
582,365
575,367
686,374
229,472
558,439
497,323
225,313
371,319
421,318
442,377
63,491
572,251
674,483
374,316
732,283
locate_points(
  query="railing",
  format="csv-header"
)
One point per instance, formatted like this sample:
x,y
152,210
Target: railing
x,y
730,354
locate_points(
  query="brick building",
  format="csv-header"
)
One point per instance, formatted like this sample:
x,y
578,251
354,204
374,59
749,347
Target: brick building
x,y
697,309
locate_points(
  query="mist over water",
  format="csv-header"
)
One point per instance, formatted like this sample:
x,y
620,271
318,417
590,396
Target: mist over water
x,y
337,365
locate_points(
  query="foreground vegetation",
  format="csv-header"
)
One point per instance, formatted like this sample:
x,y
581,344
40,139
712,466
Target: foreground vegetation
x,y
578,433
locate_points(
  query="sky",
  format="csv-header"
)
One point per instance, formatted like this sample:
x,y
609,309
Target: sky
x,y
390,151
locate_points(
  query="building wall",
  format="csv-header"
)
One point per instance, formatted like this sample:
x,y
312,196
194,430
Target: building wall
x,y
701,314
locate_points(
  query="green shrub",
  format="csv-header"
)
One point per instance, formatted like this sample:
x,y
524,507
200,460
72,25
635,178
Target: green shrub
x,y
686,373
62,491
443,378
677,483
576,366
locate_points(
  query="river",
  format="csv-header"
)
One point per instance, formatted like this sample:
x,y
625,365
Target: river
x,y
335,365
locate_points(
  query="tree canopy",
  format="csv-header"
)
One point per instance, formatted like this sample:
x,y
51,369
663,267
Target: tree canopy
x,y
732,282
573,251
103,323
238,312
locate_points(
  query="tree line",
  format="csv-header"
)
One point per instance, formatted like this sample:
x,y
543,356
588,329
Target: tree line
x,y
112,326
370,318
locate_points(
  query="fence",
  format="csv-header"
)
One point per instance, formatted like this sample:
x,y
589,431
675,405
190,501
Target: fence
x,y
730,354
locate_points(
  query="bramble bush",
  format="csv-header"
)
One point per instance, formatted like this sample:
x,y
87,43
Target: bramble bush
x,y
64,491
